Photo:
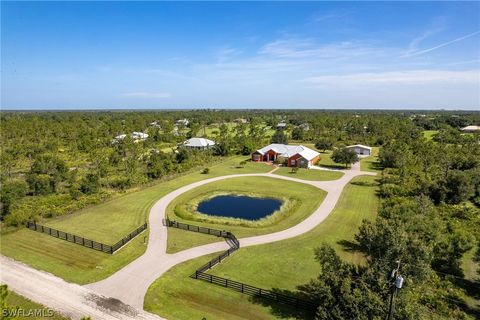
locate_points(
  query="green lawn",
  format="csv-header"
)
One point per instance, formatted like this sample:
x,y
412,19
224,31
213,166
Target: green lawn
x,y
283,265
310,174
428,134
16,301
104,222
327,162
371,163
304,199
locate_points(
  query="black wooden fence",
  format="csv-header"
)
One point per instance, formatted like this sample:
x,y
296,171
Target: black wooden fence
x,y
256,292
201,274
83,241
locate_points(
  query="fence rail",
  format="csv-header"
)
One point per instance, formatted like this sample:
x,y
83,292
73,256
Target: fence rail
x,y
201,274
255,291
83,241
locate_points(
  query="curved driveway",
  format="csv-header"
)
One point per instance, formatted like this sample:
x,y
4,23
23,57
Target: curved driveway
x,y
131,283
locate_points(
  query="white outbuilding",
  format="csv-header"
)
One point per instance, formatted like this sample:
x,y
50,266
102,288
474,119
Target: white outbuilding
x,y
470,129
360,149
198,143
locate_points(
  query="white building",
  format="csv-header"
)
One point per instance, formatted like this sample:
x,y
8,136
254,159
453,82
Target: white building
x,y
360,149
182,122
198,143
470,129
136,136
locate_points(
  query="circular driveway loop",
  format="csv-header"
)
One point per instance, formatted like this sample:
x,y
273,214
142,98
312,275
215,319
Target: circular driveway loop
x,y
130,284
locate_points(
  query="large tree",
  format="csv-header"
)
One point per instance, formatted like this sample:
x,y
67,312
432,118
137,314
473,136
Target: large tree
x,y
345,156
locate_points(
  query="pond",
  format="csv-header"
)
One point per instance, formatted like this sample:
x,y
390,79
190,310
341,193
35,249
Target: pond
x,y
243,207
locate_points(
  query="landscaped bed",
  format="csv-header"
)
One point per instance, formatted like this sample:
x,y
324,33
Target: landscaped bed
x,y
283,265
300,200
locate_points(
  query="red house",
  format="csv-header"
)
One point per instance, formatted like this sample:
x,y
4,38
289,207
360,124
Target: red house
x,y
291,156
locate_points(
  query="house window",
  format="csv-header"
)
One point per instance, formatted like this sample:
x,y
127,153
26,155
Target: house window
x,y
292,162
256,157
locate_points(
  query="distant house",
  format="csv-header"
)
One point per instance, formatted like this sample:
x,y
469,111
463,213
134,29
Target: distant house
x,y
291,156
304,126
360,149
470,129
198,143
182,122
281,125
136,136
240,120
155,124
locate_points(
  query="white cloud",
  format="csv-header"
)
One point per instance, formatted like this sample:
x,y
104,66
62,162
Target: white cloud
x,y
411,77
413,52
307,48
147,95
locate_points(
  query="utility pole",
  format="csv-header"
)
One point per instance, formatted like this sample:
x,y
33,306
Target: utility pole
x,y
398,283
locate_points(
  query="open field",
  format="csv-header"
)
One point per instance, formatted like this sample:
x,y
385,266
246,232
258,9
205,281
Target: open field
x,y
310,174
305,199
16,301
283,264
104,222
428,134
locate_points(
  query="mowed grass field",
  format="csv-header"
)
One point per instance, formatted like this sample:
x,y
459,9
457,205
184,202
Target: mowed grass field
x,y
284,265
428,134
105,222
16,301
305,200
309,174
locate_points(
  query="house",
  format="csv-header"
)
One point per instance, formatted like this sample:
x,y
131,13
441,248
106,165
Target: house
x,y
360,149
240,120
182,122
470,129
281,125
291,156
304,126
136,137
155,124
198,143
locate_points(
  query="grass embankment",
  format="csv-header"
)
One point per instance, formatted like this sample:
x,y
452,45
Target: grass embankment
x,y
303,200
16,301
310,174
105,222
283,265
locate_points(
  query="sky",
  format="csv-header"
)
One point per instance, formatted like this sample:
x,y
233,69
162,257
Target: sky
x,y
149,55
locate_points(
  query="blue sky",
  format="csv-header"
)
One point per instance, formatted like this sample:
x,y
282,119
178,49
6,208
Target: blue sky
x,y
128,55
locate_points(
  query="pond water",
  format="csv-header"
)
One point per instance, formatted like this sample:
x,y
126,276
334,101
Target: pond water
x,y
244,207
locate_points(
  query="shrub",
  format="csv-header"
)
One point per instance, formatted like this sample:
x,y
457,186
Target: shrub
x,y
206,171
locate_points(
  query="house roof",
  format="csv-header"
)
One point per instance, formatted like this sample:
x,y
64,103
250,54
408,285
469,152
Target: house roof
x,y
199,142
360,146
288,151
470,128
139,135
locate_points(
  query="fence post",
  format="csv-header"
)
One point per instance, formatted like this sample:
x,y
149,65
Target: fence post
x,y
211,278
101,246
242,287
111,250
226,283
196,274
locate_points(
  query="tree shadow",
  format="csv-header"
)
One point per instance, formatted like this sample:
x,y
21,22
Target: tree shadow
x,y
350,246
284,311
364,183
472,290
